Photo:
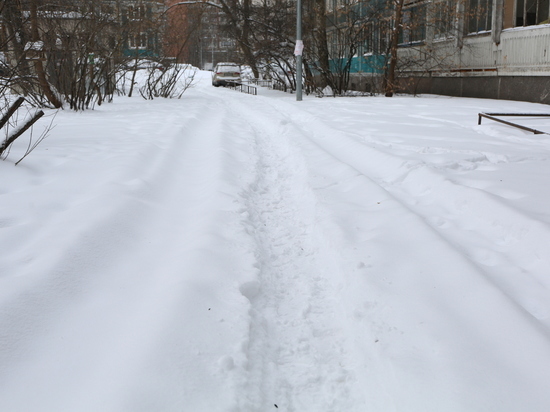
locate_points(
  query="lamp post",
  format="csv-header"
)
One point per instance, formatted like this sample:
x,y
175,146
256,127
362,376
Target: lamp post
x,y
298,50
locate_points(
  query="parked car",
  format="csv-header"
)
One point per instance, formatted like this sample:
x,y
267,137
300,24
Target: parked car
x,y
225,73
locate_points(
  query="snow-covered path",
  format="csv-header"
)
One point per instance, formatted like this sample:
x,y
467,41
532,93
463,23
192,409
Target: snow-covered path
x,y
227,252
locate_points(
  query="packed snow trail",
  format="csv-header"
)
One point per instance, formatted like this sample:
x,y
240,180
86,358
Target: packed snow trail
x,y
227,252
297,352
450,281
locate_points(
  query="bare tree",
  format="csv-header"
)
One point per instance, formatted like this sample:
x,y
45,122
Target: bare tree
x,y
17,72
390,84
38,62
429,41
64,51
238,16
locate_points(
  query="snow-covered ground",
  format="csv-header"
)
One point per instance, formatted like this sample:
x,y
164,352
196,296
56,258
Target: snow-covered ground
x,y
228,252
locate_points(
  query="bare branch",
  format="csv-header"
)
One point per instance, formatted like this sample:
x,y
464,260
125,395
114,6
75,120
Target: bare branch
x,y
10,139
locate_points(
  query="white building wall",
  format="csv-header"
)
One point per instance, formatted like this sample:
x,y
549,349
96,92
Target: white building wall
x,y
522,51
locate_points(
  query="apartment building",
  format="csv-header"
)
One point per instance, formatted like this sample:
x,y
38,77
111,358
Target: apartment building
x,y
473,48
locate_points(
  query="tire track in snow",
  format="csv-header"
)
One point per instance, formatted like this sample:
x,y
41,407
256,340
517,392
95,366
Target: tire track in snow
x,y
503,234
109,308
432,326
297,355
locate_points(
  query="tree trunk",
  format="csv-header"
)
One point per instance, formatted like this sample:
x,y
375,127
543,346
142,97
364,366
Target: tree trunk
x,y
134,72
321,40
240,23
38,67
390,78
248,53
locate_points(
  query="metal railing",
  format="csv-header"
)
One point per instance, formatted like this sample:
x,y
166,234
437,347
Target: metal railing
x,y
261,82
491,116
247,88
279,85
243,88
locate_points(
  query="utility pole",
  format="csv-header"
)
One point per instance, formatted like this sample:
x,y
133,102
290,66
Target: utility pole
x,y
298,50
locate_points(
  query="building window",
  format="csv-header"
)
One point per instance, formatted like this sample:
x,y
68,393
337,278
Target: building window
x,y
376,38
414,25
443,19
137,41
136,12
333,42
531,12
479,16
367,37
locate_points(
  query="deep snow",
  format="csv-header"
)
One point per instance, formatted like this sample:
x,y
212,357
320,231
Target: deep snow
x,y
228,252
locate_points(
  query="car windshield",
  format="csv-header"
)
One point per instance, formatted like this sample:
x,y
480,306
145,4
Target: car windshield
x,y
228,68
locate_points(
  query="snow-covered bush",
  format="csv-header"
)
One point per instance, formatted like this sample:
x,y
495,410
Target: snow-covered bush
x,y
154,79
170,82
